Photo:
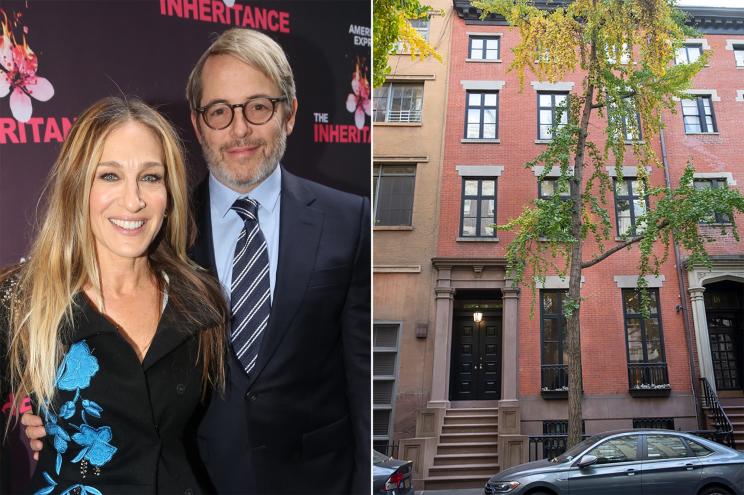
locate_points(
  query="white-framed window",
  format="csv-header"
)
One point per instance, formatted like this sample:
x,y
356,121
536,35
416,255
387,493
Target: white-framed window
x,y
398,102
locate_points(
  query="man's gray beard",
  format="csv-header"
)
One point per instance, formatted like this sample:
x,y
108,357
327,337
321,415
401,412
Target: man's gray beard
x,y
264,169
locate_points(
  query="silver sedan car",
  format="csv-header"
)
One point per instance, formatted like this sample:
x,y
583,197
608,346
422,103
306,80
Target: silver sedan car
x,y
630,462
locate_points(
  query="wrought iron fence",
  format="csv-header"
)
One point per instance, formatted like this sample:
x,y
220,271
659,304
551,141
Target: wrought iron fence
x,y
547,446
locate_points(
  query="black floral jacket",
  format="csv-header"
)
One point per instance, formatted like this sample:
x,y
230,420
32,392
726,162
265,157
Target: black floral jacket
x,y
118,426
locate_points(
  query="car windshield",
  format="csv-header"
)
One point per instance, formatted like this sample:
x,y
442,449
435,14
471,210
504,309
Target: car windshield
x,y
571,453
379,457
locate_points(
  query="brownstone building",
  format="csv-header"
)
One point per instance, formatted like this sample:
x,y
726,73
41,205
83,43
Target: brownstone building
x,y
478,378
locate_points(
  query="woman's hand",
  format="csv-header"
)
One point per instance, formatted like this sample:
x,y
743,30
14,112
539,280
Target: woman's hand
x,y
35,431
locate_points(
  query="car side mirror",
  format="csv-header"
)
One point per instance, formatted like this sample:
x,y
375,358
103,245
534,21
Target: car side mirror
x,y
587,461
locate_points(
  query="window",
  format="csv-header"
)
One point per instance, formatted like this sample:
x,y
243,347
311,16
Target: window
x,y
624,55
644,342
422,26
717,183
665,447
478,207
553,335
559,427
739,55
481,119
484,48
621,449
549,106
697,449
630,204
697,113
632,127
385,368
688,53
629,126
549,186
397,102
654,423
419,25
393,194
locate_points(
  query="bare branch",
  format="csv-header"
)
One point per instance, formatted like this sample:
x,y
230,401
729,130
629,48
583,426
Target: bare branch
x,y
611,251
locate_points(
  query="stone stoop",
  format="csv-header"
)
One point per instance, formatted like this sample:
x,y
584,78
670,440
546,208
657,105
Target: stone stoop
x,y
467,450
734,408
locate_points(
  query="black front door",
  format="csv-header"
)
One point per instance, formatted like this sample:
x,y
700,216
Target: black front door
x,y
725,315
725,348
476,357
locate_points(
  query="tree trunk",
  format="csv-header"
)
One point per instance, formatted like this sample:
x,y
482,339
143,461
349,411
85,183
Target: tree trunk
x,y
573,340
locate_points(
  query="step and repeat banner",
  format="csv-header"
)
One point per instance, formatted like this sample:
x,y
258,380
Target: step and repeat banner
x,y
59,56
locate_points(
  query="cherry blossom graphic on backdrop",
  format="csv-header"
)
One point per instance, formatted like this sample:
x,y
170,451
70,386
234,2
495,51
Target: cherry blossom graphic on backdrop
x,y
18,66
358,101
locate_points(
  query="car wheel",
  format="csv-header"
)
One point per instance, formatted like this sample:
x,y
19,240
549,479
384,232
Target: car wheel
x,y
715,490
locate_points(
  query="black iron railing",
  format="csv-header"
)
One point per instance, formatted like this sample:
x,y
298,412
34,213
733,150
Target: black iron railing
x,y
547,446
554,378
648,377
722,430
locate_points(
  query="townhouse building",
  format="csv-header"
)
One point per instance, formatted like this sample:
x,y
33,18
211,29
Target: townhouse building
x,y
487,359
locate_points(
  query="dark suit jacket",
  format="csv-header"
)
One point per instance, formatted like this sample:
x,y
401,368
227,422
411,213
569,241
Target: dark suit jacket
x,y
301,422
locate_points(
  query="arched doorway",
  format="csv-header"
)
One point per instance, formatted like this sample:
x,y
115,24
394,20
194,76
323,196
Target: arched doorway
x,y
724,309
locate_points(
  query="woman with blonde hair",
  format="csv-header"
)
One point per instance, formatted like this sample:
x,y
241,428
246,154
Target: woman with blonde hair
x,y
110,329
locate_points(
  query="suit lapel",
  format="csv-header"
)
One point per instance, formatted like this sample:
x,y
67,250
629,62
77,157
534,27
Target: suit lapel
x,y
203,251
299,234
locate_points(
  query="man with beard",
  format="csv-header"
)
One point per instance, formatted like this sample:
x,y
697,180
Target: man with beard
x,y
295,416
293,259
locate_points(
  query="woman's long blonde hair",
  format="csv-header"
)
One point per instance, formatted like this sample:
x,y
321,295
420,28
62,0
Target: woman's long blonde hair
x,y
62,259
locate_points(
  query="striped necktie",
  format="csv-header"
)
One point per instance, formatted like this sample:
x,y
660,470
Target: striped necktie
x,y
250,291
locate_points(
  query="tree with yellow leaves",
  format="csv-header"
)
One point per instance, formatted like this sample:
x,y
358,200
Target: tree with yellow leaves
x,y
625,50
391,27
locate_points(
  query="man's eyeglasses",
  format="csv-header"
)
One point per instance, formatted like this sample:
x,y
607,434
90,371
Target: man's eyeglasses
x,y
219,115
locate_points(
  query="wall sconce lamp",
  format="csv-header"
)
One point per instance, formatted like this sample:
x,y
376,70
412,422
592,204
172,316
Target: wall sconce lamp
x,y
477,316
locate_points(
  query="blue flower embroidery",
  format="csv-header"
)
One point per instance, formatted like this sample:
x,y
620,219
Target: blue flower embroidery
x,y
77,368
76,489
67,410
74,374
97,449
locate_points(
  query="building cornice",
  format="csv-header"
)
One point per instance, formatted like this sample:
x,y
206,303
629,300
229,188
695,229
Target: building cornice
x,y
469,262
716,20
708,20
